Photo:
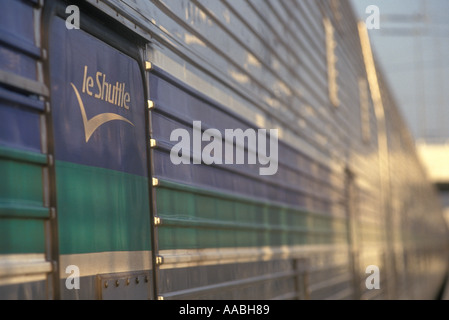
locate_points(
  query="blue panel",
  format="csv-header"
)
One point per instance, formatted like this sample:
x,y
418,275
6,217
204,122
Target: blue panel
x,y
17,37
17,63
17,17
16,42
299,181
19,128
98,103
18,99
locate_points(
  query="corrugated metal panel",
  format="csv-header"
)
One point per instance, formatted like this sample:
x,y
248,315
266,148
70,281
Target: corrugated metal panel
x,y
25,212
261,64
249,59
244,65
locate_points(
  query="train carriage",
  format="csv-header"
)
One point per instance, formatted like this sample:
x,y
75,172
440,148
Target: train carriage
x,y
190,149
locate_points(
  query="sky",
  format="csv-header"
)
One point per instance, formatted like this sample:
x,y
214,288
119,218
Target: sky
x,y
411,47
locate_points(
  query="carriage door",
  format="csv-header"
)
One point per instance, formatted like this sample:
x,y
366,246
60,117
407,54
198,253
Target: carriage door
x,y
99,125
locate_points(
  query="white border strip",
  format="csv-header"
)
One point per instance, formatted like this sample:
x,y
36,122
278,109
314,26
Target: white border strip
x,y
20,268
106,262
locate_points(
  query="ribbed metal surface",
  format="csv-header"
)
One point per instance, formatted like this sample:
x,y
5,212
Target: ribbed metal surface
x,y
349,192
25,210
267,62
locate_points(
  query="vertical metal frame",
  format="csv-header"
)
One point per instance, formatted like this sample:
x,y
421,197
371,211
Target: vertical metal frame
x,y
51,231
152,181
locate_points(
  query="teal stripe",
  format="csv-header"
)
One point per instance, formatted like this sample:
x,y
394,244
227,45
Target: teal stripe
x,y
199,218
101,210
21,155
21,202
218,194
20,182
21,210
22,236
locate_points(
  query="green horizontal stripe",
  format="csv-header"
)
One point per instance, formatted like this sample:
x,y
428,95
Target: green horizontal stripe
x,y
218,194
188,222
22,236
21,210
23,156
21,201
196,218
101,210
20,182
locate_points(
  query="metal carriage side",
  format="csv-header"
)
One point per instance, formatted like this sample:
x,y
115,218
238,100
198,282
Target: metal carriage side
x,y
139,226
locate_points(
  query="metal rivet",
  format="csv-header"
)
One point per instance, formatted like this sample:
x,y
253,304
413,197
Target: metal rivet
x,y
137,280
117,283
159,260
50,160
148,65
47,107
155,182
52,213
146,278
127,282
157,221
106,284
150,104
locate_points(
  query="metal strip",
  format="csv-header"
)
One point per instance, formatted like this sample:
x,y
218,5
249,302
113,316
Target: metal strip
x,y
18,210
344,294
287,296
20,44
195,257
191,222
22,83
21,100
24,156
347,277
23,264
106,262
229,285
152,182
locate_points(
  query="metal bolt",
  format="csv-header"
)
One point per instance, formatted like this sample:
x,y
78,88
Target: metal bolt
x,y
52,213
117,283
106,284
146,278
137,280
50,160
47,107
127,282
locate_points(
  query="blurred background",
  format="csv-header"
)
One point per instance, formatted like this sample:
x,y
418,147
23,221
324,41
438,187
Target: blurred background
x,y
411,47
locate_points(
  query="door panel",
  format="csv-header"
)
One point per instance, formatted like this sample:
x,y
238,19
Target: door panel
x,y
101,165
